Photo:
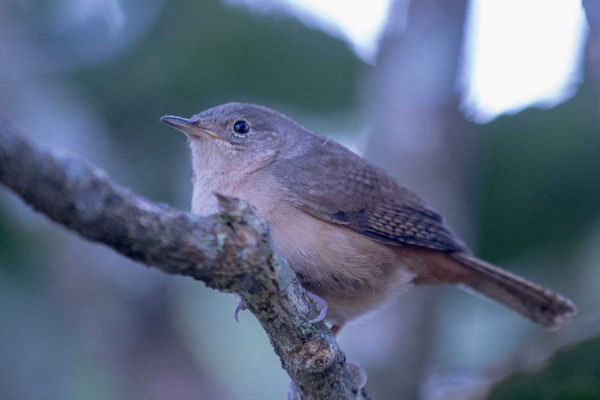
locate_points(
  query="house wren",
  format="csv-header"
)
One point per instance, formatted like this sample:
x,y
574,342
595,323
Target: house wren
x,y
350,231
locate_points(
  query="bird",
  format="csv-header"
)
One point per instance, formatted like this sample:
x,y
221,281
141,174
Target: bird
x,y
353,234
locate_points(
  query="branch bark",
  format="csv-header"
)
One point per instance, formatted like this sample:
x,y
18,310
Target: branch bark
x,y
231,252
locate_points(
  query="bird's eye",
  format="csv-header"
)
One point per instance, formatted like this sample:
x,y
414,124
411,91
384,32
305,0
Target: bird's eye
x,y
241,127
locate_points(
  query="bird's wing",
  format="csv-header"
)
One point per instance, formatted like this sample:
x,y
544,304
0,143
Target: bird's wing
x,y
333,184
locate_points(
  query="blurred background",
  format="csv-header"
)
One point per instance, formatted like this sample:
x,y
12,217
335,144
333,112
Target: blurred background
x,y
487,109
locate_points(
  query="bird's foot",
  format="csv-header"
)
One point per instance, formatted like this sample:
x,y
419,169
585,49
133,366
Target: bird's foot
x,y
359,374
321,306
240,307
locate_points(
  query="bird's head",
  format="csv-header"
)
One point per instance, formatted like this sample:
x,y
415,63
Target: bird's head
x,y
235,135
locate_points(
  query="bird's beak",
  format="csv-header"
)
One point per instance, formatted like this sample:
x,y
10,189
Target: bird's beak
x,y
187,127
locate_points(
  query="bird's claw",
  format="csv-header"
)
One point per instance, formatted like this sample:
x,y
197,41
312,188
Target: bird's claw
x,y
321,306
359,374
241,306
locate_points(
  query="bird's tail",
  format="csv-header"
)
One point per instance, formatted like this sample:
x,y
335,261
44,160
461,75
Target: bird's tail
x,y
528,299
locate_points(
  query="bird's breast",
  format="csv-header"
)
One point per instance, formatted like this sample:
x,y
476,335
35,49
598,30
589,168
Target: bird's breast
x,y
204,201
353,273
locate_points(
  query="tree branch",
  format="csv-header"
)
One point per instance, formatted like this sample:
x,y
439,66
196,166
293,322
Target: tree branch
x,y
231,252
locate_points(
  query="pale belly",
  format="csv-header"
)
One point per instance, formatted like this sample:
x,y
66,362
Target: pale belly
x,y
351,272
